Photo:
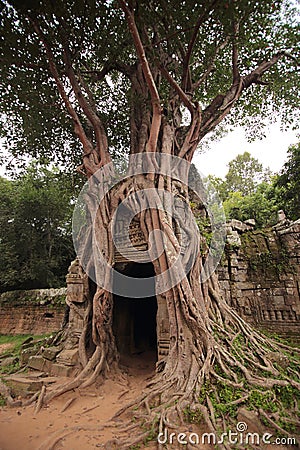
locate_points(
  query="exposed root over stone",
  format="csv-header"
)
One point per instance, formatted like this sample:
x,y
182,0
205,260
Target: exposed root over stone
x,y
5,392
40,400
238,371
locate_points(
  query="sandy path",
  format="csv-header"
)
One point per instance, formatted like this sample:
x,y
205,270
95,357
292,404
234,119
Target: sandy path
x,y
82,422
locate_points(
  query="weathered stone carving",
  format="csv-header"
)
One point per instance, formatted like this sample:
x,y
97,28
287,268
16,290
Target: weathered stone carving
x,y
76,299
76,283
137,243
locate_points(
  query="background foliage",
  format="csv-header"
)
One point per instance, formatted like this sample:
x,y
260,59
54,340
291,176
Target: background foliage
x,y
35,229
251,192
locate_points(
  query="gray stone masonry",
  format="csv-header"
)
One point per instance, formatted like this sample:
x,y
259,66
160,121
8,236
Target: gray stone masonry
x,y
260,277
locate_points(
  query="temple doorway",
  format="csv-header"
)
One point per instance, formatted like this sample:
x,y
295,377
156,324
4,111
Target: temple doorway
x,y
134,319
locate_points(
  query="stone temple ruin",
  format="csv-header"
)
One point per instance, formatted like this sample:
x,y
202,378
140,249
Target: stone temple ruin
x,y
259,276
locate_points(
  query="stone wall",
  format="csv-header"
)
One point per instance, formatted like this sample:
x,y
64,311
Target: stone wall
x,y
32,312
260,276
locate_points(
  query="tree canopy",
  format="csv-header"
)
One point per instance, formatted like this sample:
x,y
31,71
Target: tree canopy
x,y
81,56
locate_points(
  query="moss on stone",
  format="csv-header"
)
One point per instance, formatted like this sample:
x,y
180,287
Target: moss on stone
x,y
38,297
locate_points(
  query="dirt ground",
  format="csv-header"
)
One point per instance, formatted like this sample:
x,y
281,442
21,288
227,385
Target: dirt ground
x,y
5,347
86,424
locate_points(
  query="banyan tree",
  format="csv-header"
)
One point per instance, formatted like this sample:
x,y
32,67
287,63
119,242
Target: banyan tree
x,y
132,87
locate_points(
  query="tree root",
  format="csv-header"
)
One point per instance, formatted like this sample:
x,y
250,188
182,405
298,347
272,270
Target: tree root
x,y
67,404
40,400
274,424
31,400
82,377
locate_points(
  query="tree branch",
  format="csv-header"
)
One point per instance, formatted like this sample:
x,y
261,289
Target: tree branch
x,y
254,76
155,100
172,82
99,74
89,110
235,53
78,128
211,65
202,17
222,104
192,138
182,95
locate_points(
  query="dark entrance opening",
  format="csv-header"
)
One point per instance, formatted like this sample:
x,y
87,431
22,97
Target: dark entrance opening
x,y
134,319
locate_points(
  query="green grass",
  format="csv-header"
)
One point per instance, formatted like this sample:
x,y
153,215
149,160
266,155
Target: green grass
x,y
16,340
2,401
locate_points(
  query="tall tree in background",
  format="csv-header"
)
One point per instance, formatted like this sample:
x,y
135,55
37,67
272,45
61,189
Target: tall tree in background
x,y
287,185
244,174
35,228
247,191
151,78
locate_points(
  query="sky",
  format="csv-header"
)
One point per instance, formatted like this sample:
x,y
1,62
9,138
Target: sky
x,y
270,151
